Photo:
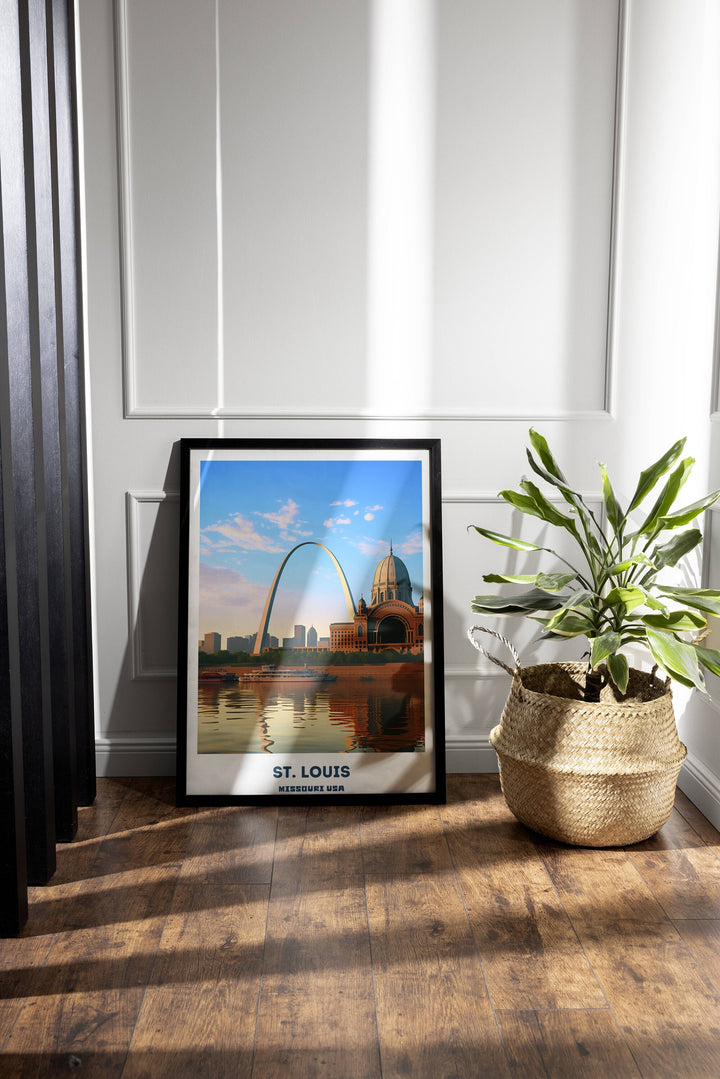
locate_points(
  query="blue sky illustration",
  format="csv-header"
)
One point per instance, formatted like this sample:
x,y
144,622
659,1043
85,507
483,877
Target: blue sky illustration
x,y
253,513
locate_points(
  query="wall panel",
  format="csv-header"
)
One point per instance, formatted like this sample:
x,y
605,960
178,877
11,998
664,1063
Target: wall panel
x,y
273,205
526,150
243,164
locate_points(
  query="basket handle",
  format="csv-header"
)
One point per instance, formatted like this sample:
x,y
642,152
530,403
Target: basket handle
x,y
494,659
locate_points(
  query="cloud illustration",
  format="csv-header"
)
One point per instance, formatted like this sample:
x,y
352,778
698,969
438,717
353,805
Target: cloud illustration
x,y
242,533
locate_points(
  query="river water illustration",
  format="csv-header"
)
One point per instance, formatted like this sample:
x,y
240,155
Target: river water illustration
x,y
365,710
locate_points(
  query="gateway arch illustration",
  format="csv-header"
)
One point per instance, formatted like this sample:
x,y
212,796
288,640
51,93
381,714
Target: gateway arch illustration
x,y
265,620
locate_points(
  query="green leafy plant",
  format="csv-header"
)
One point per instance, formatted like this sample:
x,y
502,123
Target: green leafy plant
x,y
616,597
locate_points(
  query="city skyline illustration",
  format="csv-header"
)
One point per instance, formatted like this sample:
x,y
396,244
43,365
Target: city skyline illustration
x,y
252,513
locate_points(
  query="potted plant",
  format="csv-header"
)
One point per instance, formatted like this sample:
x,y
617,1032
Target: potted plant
x,y
589,752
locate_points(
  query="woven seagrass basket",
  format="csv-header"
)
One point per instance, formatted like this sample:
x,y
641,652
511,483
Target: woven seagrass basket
x,y
590,774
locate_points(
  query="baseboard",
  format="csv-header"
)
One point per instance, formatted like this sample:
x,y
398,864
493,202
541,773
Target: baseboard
x,y
702,787
469,754
155,756
135,756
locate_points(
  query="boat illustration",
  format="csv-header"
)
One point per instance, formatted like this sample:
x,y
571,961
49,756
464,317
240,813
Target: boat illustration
x,y
272,673
216,676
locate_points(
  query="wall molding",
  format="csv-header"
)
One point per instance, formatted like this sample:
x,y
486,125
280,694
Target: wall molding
x,y
482,497
146,412
143,755
133,501
715,390
702,787
470,753
711,525
124,166
616,207
135,755
133,407
467,670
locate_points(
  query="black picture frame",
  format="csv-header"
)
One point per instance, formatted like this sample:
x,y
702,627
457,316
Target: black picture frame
x,y
279,533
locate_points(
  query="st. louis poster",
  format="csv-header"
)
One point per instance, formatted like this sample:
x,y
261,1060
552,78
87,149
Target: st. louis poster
x,y
310,644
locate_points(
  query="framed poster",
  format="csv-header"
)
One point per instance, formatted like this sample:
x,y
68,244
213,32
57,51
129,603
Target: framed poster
x,y
310,663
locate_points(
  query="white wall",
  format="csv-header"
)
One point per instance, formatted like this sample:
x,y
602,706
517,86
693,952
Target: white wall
x,y
394,218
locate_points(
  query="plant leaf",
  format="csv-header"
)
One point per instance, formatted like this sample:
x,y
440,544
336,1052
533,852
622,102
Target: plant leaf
x,y
689,513
577,601
542,449
627,598
550,471
709,657
677,658
604,646
622,567
521,502
510,578
568,624
553,582
617,665
534,600
506,541
545,509
654,604
675,621
650,476
613,508
549,582
702,599
667,496
670,553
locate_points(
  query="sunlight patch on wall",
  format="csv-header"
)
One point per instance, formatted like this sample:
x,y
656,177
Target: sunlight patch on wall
x,y
400,257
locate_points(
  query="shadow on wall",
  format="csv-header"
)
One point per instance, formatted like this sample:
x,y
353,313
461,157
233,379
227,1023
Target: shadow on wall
x,y
145,692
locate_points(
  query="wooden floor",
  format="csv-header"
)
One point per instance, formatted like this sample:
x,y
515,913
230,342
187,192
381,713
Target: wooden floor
x,y
363,942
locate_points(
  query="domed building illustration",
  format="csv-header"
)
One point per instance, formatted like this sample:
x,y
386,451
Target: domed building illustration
x,y
390,620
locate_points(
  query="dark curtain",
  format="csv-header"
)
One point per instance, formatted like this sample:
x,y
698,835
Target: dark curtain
x,y
47,753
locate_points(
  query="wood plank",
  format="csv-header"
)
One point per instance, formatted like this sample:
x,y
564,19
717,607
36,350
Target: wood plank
x,y
707,832
147,830
599,886
83,1033
51,904
379,946
529,950
111,934
75,859
666,1007
231,845
317,1014
22,958
198,1016
433,1009
83,958
677,833
685,882
566,1045
702,936
86,997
